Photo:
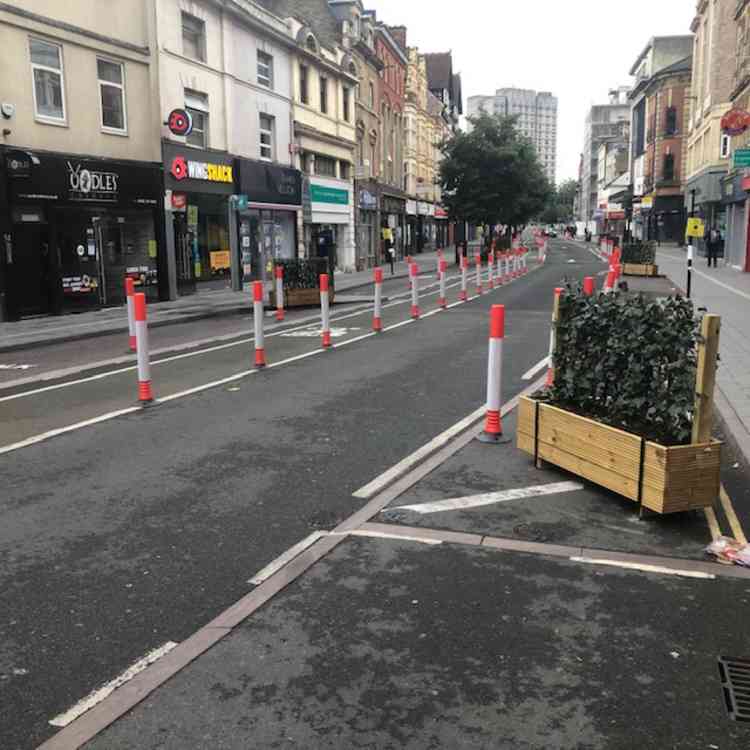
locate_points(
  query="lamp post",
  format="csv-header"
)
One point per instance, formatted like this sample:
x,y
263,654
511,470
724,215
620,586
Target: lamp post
x,y
690,250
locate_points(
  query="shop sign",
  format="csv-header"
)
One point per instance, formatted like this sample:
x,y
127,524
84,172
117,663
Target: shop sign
x,y
411,208
18,164
239,202
91,185
183,169
179,201
742,158
324,194
735,122
180,122
440,213
615,215
746,183
367,200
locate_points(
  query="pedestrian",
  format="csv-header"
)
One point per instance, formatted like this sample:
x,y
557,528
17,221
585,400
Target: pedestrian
x,y
391,253
713,241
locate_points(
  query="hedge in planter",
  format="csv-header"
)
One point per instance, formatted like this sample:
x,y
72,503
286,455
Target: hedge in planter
x,y
639,253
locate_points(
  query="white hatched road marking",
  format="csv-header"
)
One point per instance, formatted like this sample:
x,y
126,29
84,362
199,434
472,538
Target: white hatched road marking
x,y
491,498
645,568
535,369
311,333
384,535
99,695
286,557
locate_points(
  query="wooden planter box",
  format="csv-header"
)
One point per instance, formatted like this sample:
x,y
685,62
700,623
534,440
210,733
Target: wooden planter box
x,y
300,298
640,269
663,479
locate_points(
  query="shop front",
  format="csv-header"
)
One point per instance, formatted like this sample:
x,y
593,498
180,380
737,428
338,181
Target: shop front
x,y
267,220
412,228
197,186
442,228
393,220
736,199
426,226
367,221
703,199
330,232
75,228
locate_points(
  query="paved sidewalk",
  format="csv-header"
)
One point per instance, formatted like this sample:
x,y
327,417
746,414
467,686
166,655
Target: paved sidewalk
x,y
34,332
726,292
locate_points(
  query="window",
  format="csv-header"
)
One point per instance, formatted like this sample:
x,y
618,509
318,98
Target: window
x,y
47,71
193,37
372,96
347,104
197,105
323,95
668,169
344,170
112,95
325,166
305,163
266,138
303,88
265,69
670,127
725,148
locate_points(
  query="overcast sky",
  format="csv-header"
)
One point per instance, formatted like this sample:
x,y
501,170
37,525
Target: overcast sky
x,y
578,50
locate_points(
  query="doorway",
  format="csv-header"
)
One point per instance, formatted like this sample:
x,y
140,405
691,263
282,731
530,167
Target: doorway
x,y
33,275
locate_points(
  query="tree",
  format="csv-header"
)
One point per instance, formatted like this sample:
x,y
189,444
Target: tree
x,y
560,206
492,175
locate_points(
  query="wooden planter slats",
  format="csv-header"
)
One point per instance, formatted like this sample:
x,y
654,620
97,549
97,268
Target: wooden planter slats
x,y
300,297
663,479
640,269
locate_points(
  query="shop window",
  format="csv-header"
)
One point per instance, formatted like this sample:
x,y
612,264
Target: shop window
x,y
266,137
325,166
344,170
265,69
193,37
323,95
347,104
49,85
304,95
197,105
112,95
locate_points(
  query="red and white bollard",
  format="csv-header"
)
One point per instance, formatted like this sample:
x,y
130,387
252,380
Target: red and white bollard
x,y
552,342
279,293
260,346
145,393
493,424
408,268
478,263
377,319
129,294
589,286
609,284
414,271
499,268
442,301
325,310
491,270
462,295
439,261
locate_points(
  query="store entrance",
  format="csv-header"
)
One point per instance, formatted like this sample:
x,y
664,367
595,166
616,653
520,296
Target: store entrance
x,y
33,276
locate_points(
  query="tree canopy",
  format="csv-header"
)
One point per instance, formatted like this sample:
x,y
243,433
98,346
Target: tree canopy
x,y
492,175
560,206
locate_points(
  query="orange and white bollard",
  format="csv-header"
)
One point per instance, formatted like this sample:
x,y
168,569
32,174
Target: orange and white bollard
x,y
553,341
442,301
260,346
462,295
478,264
377,319
589,286
493,424
609,284
279,293
325,310
414,271
145,393
439,261
129,294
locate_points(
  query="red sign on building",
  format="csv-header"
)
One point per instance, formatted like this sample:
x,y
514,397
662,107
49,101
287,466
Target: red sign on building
x,y
735,122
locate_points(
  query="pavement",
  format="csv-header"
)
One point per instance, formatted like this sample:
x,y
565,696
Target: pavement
x,y
248,534
214,302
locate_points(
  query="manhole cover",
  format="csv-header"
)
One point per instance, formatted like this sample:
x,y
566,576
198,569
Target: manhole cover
x,y
735,682
531,533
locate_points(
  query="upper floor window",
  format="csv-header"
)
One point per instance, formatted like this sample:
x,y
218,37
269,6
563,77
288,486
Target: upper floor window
x,y
197,105
670,126
112,95
304,95
371,100
323,95
668,168
49,84
265,69
347,104
325,166
193,37
266,137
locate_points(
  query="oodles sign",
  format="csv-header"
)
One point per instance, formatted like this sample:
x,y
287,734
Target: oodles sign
x,y
91,185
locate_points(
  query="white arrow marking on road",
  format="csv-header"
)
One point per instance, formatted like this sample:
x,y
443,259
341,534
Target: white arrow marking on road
x,y
491,498
99,695
311,333
535,369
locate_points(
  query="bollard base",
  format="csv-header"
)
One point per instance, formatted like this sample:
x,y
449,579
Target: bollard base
x,y
490,439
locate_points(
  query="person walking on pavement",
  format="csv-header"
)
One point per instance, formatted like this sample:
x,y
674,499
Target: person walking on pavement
x,y
391,255
713,242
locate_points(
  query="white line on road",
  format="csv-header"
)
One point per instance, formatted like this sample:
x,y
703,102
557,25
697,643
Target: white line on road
x,y
643,567
98,696
384,535
529,374
286,557
491,498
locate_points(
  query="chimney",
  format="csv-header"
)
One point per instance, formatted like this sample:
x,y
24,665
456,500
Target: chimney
x,y
399,35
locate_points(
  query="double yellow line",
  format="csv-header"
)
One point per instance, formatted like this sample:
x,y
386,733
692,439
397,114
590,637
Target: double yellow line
x,y
730,513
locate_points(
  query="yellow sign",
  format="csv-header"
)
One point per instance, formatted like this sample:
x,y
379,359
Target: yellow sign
x,y
201,170
152,248
220,260
695,228
647,201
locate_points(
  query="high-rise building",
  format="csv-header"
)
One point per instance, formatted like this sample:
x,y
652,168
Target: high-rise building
x,y
537,119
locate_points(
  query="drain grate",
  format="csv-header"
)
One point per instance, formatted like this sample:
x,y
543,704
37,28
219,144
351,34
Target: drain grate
x,y
735,682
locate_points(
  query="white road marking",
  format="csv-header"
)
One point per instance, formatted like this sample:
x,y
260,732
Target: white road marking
x,y
383,535
645,567
98,696
17,367
529,374
285,558
311,333
491,498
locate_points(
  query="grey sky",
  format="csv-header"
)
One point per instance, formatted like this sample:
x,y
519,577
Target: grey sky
x,y
577,49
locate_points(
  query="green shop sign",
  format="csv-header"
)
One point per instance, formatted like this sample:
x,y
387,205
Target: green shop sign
x,y
322,194
742,158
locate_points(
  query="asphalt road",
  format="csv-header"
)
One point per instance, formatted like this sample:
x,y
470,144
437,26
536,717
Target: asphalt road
x,y
135,531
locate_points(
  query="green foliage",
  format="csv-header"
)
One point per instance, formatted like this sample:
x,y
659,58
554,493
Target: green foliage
x,y
628,362
492,175
639,252
301,273
560,205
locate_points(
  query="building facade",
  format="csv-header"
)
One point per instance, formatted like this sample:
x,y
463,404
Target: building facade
x,y
537,119
659,104
80,163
